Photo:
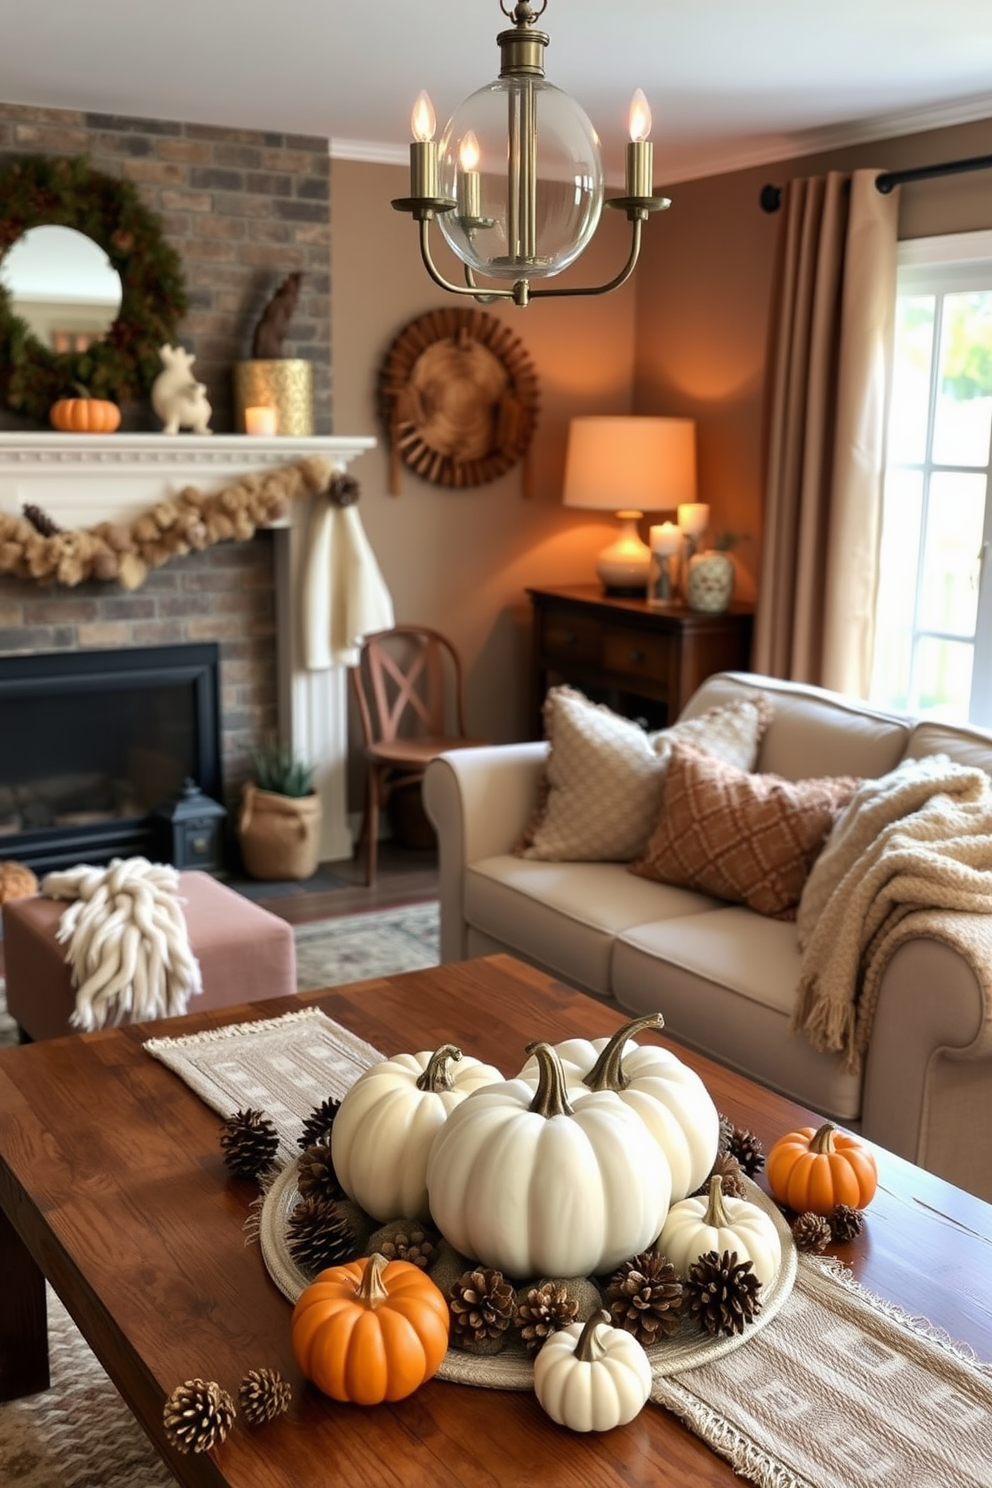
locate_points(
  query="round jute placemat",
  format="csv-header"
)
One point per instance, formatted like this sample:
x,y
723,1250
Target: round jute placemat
x,y
512,1369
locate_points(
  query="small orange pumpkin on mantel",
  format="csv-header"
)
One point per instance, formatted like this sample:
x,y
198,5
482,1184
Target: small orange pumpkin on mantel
x,y
813,1169
85,415
370,1330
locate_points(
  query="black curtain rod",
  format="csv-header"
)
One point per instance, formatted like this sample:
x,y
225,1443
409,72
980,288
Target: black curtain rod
x,y
771,196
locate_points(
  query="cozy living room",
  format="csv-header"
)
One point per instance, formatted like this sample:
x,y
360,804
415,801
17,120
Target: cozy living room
x,y
496,747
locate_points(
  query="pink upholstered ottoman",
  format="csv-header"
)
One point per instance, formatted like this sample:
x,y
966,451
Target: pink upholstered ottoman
x,y
244,952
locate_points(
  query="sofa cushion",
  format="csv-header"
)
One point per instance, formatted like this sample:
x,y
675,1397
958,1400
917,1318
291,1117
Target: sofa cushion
x,y
602,785
812,732
751,839
725,983
565,916
963,743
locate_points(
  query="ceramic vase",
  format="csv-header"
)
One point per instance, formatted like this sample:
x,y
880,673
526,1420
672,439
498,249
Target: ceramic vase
x,y
710,582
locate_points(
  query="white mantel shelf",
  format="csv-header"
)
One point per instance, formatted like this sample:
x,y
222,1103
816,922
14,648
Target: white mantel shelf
x,y
82,479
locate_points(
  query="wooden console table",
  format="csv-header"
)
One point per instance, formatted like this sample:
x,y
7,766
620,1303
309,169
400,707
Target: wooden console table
x,y
641,662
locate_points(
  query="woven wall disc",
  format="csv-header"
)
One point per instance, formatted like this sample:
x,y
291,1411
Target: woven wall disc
x,y
458,396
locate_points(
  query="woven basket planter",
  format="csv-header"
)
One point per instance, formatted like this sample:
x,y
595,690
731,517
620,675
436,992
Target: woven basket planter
x,y
279,835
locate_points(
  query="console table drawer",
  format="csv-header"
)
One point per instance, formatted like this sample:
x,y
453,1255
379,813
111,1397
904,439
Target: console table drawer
x,y
571,638
636,653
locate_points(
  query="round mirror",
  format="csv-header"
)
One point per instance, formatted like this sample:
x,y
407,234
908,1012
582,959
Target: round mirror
x,y
63,285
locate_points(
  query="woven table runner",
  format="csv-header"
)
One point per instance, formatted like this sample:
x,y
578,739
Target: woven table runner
x,y
840,1390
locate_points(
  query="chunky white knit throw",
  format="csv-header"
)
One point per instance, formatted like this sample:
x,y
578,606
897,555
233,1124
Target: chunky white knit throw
x,y
128,946
911,855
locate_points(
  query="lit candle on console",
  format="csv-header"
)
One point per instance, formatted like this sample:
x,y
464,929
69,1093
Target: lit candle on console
x,y
666,539
640,151
423,151
260,421
694,518
469,180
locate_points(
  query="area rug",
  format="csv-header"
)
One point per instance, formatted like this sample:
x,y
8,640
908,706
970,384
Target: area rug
x,y
79,1433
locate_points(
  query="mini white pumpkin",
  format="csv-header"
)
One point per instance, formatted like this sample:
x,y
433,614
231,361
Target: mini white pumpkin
x,y
714,1221
387,1122
520,1180
669,1097
591,1376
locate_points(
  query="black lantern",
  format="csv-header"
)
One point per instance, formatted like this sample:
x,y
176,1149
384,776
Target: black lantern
x,y
192,829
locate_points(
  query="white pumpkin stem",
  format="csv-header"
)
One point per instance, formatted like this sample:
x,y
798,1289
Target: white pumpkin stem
x,y
716,1212
436,1077
608,1072
587,1349
550,1098
824,1139
371,1288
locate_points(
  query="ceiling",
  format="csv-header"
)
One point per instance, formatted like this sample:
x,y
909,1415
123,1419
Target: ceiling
x,y
730,84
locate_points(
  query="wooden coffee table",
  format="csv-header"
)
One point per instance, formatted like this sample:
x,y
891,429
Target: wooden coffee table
x,y
112,1186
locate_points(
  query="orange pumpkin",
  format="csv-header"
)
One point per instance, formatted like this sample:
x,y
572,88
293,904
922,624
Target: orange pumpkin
x,y
813,1169
85,415
370,1330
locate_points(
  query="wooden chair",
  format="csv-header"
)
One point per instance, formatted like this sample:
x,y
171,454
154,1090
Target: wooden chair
x,y
408,687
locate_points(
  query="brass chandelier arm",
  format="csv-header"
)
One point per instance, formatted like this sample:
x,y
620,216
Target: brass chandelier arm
x,y
470,288
614,283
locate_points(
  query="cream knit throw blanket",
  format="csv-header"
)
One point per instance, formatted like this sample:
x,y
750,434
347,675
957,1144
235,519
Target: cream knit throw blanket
x,y
911,856
127,942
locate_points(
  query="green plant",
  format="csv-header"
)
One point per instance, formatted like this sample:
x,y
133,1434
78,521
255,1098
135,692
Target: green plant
x,y
726,542
277,770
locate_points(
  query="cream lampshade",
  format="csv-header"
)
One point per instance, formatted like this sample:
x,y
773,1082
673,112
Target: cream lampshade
x,y
629,465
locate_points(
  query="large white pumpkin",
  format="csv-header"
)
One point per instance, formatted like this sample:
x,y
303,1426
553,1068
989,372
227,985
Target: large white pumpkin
x,y
717,1222
669,1097
520,1180
592,1376
387,1122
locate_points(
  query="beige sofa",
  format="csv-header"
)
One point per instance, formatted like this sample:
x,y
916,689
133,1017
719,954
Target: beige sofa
x,y
723,976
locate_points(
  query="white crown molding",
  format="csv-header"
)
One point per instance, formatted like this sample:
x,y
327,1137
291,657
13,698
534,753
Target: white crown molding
x,y
371,152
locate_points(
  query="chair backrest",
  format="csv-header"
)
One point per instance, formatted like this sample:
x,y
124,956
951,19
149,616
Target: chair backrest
x,y
408,681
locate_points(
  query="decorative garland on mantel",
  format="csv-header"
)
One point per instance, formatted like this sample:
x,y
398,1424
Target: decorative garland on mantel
x,y
34,547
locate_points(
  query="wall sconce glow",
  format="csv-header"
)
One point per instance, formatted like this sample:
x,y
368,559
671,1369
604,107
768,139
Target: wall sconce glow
x,y
529,218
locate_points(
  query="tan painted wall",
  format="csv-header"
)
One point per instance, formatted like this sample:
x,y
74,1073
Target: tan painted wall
x,y
703,290
461,560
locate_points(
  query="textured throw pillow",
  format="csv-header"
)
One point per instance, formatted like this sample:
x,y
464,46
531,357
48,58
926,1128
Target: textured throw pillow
x,y
751,839
601,790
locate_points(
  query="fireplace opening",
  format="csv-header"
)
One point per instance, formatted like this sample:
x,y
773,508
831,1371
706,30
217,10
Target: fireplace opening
x,y
92,743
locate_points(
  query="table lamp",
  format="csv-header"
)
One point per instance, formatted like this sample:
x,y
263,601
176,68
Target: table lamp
x,y
629,465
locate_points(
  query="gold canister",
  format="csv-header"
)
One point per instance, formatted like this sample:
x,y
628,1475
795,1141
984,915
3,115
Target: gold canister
x,y
285,384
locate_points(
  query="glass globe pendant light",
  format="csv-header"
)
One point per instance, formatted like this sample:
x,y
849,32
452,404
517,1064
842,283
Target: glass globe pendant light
x,y
517,181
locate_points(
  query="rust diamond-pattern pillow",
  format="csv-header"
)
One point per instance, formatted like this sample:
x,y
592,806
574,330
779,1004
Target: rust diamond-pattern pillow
x,y
601,790
748,838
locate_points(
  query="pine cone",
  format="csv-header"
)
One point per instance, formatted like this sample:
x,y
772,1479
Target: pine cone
x,y
263,1394
319,1234
727,1129
723,1294
544,1310
406,1240
481,1303
249,1142
731,1176
811,1232
315,1175
747,1149
317,1126
645,1297
40,520
198,1415
846,1223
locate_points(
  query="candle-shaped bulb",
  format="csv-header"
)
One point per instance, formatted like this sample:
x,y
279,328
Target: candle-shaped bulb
x,y
469,153
640,117
423,120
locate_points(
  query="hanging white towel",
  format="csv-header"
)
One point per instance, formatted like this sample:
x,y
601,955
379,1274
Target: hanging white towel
x,y
345,596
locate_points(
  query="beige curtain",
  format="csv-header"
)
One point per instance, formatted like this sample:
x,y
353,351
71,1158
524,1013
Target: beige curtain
x,y
826,399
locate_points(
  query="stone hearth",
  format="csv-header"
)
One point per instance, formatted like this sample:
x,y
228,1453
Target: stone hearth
x,y
83,479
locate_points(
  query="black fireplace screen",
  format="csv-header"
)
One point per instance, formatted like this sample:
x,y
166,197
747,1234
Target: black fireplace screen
x,y
91,743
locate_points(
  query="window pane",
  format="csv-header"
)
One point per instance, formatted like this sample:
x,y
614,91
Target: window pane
x,y
963,415
911,378
943,670
955,516
895,605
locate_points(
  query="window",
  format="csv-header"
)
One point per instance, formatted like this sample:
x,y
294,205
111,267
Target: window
x,y
933,640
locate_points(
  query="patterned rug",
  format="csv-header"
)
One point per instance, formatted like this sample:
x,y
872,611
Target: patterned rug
x,y
79,1433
